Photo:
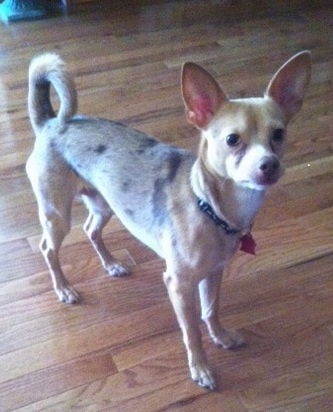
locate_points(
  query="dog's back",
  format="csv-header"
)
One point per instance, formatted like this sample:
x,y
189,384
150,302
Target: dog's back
x,y
130,170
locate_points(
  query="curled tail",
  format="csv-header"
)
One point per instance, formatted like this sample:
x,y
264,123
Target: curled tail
x,y
46,70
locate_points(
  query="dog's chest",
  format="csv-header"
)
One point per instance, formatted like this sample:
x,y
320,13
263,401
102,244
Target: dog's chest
x,y
196,243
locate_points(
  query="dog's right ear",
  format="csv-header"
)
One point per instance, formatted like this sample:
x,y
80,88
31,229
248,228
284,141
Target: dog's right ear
x,y
201,93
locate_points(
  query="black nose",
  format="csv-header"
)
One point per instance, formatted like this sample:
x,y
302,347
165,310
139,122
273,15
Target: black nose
x,y
270,166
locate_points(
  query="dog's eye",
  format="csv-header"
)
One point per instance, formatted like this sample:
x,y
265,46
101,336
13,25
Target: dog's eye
x,y
278,135
233,139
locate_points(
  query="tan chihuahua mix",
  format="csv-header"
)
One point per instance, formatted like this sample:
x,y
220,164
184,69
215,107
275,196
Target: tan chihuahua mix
x,y
193,211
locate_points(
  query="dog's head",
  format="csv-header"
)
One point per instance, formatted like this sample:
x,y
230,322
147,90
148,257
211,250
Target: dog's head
x,y
244,139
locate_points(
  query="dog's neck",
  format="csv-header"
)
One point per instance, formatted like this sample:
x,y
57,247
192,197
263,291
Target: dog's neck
x,y
232,202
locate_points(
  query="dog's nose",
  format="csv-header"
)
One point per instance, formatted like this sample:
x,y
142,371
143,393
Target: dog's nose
x,y
270,166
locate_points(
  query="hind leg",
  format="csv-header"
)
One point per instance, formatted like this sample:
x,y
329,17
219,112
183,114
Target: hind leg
x,y
55,228
54,186
99,215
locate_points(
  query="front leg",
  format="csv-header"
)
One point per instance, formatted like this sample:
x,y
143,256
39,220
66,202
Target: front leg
x,y
182,295
209,289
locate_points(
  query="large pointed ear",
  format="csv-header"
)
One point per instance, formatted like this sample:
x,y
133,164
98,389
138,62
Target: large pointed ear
x,y
201,93
290,82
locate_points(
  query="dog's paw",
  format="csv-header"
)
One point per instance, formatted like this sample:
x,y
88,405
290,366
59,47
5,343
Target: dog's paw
x,y
117,269
67,295
229,339
203,376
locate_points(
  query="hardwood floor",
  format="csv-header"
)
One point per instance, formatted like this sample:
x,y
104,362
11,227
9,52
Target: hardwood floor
x,y
121,348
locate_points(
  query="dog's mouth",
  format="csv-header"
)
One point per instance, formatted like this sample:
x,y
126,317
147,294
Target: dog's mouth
x,y
261,182
253,185
268,180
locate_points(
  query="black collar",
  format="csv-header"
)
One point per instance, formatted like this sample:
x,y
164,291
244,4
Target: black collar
x,y
206,208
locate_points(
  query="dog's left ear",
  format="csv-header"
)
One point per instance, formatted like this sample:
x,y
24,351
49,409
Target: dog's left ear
x,y
201,93
290,82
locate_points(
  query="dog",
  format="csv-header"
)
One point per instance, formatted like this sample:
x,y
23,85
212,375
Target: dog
x,y
193,211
